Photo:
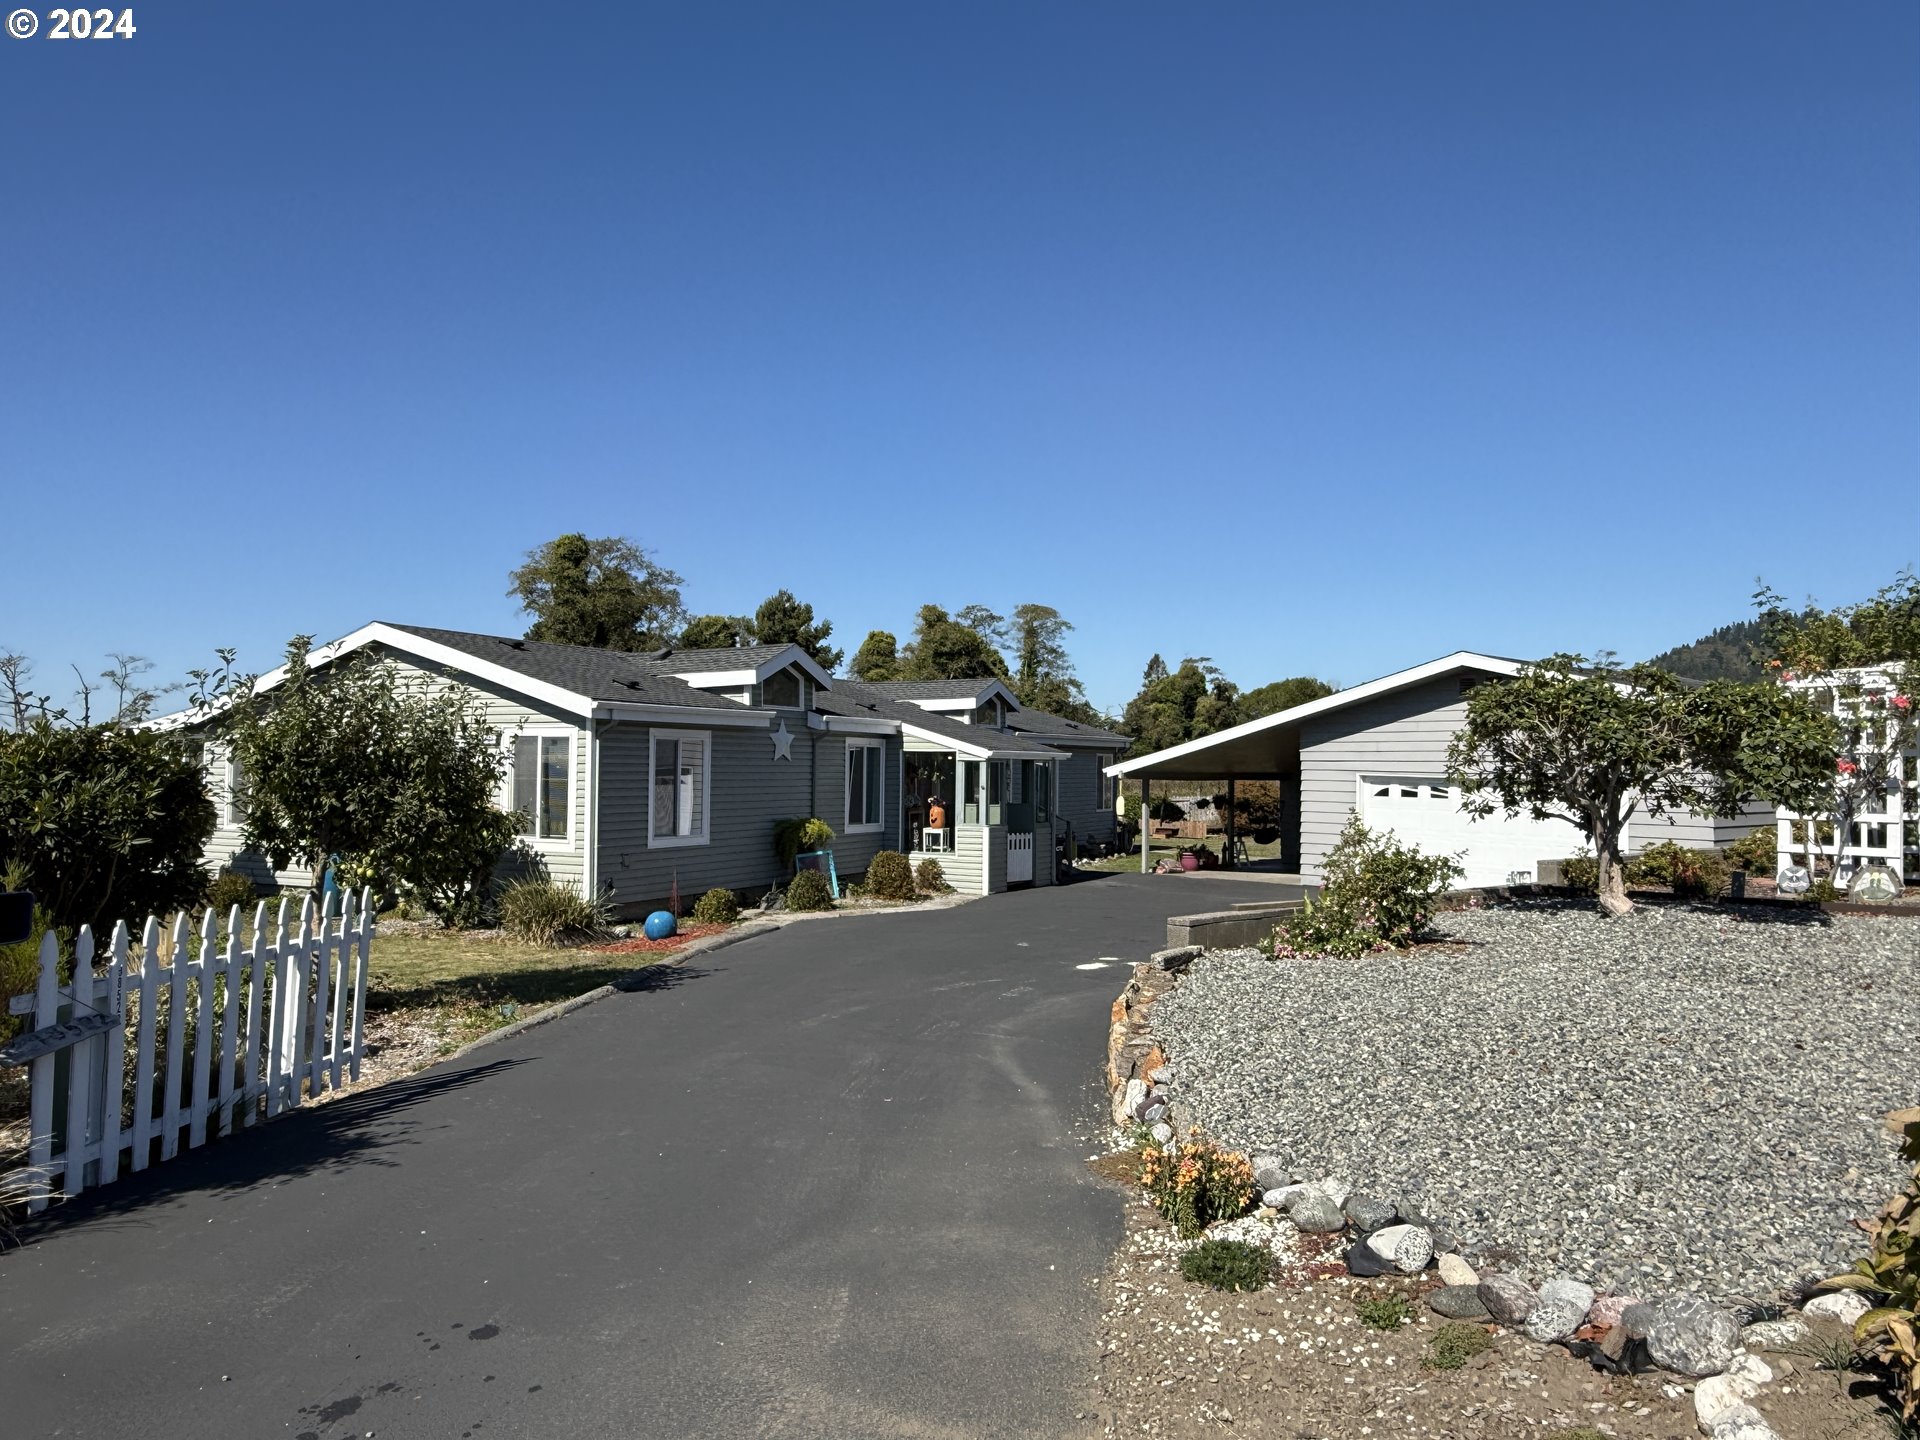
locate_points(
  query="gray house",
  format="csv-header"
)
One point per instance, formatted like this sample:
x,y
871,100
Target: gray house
x,y
644,775
1380,750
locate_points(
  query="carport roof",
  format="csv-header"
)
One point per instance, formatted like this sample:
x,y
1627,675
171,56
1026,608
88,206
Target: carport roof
x,y
1268,748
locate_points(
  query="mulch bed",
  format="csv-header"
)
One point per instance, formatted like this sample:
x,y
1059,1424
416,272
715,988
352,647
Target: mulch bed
x,y
640,945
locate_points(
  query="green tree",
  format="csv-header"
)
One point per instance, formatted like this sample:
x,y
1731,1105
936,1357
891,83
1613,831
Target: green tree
x,y
1043,677
944,648
108,822
716,632
1595,744
784,620
606,593
1278,695
1173,707
393,773
877,659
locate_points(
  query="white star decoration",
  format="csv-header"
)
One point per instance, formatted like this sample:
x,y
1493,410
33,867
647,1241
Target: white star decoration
x,y
782,743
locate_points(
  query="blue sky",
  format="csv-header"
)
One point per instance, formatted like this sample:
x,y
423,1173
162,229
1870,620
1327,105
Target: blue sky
x,y
1315,339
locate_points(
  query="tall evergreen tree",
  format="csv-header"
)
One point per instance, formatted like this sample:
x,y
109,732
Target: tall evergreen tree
x,y
944,648
716,632
783,619
877,659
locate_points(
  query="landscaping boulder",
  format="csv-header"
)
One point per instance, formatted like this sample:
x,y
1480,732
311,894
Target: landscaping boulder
x,y
1637,1319
1408,1246
1608,1309
1270,1173
1458,1302
1455,1271
1691,1337
1559,1309
1127,1100
1508,1298
1363,1260
1317,1215
1368,1213
1284,1196
1334,1188
1743,1422
1843,1305
1775,1335
1162,1133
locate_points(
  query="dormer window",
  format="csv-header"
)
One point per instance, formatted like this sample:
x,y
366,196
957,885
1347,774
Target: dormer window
x,y
782,689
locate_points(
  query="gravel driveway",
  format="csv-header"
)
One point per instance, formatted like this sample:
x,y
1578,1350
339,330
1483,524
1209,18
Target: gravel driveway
x,y
1689,1098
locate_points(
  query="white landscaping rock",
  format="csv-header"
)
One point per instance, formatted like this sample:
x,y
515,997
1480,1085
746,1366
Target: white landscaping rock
x,y
1334,1188
1774,1334
1127,1099
1163,1132
1718,1396
1743,1422
1563,1304
1750,1370
1841,1305
1455,1271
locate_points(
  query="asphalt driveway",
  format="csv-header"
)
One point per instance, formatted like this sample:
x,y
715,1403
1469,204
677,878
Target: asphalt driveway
x,y
827,1183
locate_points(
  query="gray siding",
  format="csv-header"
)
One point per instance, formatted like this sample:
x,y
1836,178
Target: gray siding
x,y
1078,788
1683,827
995,837
749,791
1405,733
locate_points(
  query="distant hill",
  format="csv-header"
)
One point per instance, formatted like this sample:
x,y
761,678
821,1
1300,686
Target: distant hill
x,y
1726,654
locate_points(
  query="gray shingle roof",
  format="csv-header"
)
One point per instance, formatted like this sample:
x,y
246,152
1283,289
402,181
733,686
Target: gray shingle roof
x,y
1060,730
931,689
854,698
612,675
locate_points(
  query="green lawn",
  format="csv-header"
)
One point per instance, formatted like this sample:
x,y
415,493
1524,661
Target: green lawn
x,y
1167,849
452,969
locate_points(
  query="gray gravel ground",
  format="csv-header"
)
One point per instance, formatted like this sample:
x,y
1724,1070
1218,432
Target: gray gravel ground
x,y
1686,1099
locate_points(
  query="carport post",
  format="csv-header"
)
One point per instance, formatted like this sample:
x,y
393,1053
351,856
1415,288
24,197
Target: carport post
x,y
1145,786
1230,831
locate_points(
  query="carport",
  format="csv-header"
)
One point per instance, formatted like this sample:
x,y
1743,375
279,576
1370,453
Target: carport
x,y
1263,749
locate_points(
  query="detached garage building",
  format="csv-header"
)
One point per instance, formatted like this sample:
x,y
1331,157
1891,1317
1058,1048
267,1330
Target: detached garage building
x,y
1380,749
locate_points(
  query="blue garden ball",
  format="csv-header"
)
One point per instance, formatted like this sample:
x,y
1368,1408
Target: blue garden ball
x,y
660,925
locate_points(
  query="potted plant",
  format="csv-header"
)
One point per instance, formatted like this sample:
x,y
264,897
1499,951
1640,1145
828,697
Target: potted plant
x,y
1188,859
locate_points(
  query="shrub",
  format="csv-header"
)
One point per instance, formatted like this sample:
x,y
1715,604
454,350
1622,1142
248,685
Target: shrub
x,y
1690,874
931,879
1383,1309
106,822
550,912
228,889
1890,1275
717,907
1228,1265
1377,893
1455,1343
809,891
890,877
1581,872
20,964
1198,1185
1758,851
791,837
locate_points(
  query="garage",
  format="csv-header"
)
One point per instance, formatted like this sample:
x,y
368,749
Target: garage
x,y
1424,811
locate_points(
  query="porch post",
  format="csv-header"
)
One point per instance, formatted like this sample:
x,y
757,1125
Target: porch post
x,y
1230,830
1146,806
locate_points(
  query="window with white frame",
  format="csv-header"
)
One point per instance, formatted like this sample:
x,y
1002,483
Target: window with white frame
x,y
540,784
680,792
866,784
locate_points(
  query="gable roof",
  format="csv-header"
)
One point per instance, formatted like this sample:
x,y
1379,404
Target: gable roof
x,y
589,671
857,700
1058,729
1250,749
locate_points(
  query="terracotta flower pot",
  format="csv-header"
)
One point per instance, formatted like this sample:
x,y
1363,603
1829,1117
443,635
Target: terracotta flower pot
x,y
1189,862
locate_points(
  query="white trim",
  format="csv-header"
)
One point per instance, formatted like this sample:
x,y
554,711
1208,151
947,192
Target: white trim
x,y
786,655
853,725
864,827
552,844
1399,680
988,751
590,860
231,817
664,842
951,702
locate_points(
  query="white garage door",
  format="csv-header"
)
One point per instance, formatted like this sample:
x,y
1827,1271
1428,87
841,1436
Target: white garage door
x,y
1425,812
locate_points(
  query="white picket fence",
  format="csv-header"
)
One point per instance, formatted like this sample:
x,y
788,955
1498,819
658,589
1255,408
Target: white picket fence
x,y
271,1024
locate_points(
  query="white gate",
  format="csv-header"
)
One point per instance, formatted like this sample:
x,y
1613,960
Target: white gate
x,y
1019,857
284,1016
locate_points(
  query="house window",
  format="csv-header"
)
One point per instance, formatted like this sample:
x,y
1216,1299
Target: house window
x,y
782,690
866,782
543,785
1043,794
681,788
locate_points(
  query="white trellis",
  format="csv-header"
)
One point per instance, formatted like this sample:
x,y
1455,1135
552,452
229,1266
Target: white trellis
x,y
1886,829
173,1041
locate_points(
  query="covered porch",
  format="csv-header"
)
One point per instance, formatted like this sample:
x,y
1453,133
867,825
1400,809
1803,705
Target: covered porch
x,y
985,812
1252,753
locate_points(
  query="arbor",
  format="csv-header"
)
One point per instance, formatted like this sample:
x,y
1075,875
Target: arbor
x,y
1278,695
944,648
393,774
877,659
108,821
716,632
1595,744
607,593
784,620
